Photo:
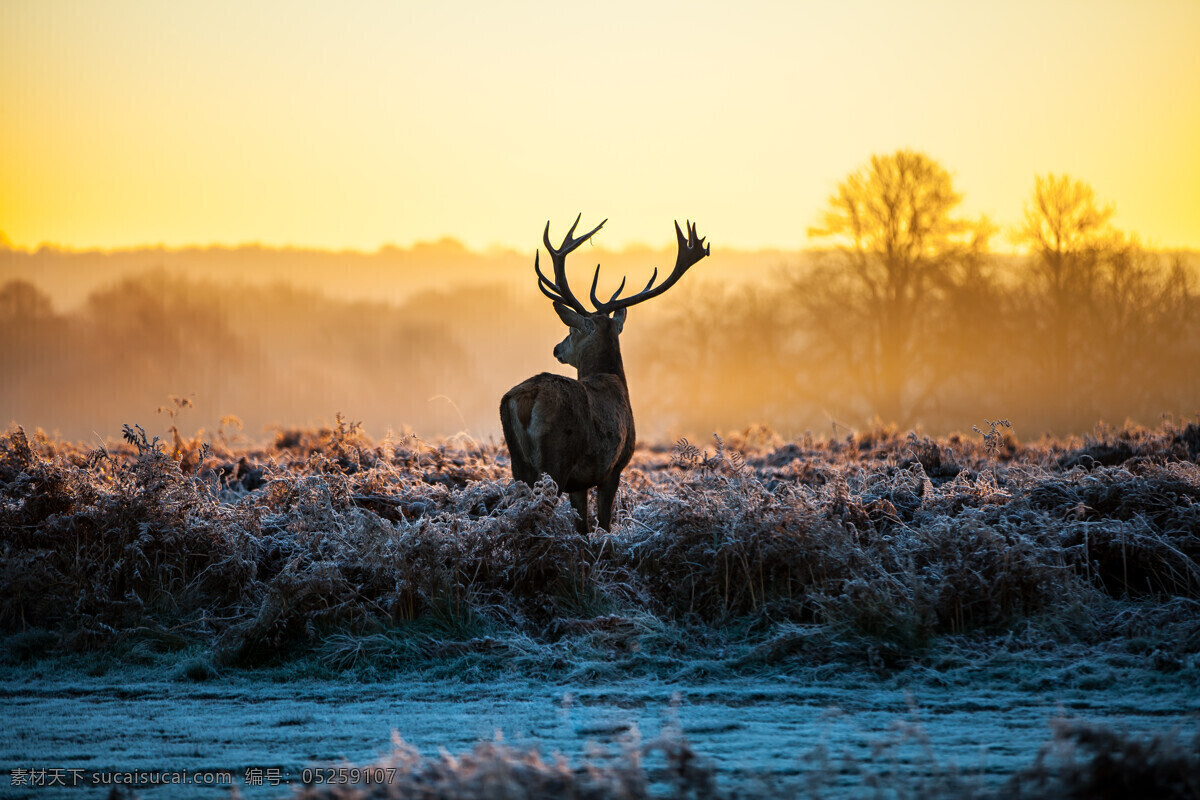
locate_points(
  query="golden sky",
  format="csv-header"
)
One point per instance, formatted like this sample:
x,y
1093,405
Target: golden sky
x,y
351,125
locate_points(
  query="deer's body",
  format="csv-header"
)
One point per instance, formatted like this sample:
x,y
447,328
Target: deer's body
x,y
580,431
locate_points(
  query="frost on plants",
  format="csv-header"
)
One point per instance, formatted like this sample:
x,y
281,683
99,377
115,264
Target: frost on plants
x,y
396,553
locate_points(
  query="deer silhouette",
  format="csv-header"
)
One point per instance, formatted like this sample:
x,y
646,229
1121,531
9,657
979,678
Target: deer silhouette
x,y
580,431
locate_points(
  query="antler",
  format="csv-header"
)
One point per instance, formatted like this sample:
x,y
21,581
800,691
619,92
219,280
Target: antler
x,y
558,290
691,250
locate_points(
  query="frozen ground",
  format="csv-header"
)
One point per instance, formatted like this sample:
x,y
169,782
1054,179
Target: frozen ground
x,y
884,611
987,724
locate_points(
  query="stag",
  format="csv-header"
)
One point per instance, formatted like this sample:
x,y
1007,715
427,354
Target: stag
x,y
580,432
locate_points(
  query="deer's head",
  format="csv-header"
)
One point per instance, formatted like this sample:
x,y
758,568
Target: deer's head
x,y
589,335
592,341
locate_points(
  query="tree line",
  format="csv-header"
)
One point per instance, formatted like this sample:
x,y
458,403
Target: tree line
x,y
907,315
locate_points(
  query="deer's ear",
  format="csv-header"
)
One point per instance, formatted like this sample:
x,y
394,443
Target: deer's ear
x,y
571,318
619,318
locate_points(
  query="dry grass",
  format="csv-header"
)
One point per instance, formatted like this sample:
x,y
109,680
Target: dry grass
x,y
1078,761
1095,762
869,548
495,770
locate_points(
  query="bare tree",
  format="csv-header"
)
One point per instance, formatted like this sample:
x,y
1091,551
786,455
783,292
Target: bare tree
x,y
1068,234
1105,321
899,247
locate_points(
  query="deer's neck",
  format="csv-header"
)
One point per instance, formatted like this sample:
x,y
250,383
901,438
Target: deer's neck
x,y
604,360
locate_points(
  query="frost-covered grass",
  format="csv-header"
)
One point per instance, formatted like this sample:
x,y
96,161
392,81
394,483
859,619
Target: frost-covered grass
x,y
881,551
960,563
1078,761
831,733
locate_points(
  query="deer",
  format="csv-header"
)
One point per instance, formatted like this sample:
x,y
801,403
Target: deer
x,y
580,431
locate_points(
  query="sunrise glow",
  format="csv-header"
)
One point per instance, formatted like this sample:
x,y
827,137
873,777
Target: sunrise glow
x,y
354,125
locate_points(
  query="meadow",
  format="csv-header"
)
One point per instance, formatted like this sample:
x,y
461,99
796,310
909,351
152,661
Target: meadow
x,y
326,555
869,583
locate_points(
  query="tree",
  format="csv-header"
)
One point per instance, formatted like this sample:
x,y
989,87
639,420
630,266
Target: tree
x,y
33,339
899,247
1107,317
21,302
1068,235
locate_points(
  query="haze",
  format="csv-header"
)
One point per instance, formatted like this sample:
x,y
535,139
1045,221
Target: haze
x,y
286,211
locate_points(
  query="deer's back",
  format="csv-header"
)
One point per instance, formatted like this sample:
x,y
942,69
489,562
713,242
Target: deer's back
x,y
580,430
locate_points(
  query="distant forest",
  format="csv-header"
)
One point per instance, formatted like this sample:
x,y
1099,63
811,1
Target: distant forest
x,y
902,313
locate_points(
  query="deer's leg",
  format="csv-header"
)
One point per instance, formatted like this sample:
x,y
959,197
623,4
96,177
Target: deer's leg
x,y
606,492
522,470
579,501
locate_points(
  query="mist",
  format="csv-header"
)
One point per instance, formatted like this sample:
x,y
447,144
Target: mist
x,y
426,340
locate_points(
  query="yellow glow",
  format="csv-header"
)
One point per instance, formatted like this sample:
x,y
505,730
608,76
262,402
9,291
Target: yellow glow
x,y
352,125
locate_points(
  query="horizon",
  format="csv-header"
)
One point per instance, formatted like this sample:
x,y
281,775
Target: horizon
x,y
447,242
999,246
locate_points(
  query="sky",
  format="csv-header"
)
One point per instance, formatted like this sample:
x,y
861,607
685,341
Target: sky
x,y
354,125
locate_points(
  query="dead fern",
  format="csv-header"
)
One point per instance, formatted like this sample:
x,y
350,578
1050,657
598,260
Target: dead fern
x,y
267,552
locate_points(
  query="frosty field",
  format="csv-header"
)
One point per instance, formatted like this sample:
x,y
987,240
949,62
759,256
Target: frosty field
x,y
828,733
970,616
